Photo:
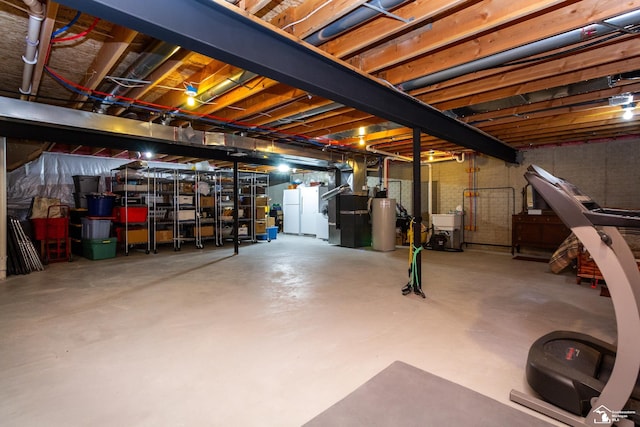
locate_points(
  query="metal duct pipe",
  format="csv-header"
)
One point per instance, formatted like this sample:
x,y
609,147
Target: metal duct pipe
x,y
545,45
30,57
140,69
232,82
306,114
350,20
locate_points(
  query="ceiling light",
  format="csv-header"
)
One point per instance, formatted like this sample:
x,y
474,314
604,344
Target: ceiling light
x,y
148,154
624,99
283,168
628,111
191,92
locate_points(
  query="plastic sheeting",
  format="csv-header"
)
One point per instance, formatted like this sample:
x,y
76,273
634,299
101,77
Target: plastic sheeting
x,y
51,175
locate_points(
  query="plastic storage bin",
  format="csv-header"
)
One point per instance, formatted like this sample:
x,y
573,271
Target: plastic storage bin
x,y
86,184
272,233
130,214
95,249
95,228
100,204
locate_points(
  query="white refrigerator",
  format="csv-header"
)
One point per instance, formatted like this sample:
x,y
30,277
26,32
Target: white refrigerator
x,y
300,210
291,211
309,200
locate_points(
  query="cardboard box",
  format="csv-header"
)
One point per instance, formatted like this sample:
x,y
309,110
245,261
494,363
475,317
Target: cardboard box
x,y
131,187
138,235
164,236
262,201
243,231
261,212
261,227
207,201
185,200
183,215
271,221
207,230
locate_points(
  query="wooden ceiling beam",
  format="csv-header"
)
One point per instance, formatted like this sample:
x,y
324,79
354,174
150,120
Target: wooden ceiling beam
x,y
106,58
443,99
543,106
260,104
157,76
456,28
311,16
421,13
558,123
320,120
346,125
236,95
282,113
574,15
621,49
177,98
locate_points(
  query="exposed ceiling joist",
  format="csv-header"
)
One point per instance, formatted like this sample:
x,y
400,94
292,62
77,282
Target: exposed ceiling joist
x,y
247,42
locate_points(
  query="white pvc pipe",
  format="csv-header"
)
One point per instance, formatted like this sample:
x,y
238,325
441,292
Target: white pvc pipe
x,y
30,57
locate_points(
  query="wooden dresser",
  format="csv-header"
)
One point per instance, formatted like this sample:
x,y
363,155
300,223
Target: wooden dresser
x,y
545,231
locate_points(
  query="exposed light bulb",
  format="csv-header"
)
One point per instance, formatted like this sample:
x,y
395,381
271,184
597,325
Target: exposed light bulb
x,y
628,114
191,92
283,168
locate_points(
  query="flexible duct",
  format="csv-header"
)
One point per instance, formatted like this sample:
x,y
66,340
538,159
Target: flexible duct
x,y
144,66
239,79
306,114
30,57
545,45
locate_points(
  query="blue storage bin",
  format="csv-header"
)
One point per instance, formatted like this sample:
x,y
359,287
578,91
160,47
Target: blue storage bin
x,y
272,233
100,204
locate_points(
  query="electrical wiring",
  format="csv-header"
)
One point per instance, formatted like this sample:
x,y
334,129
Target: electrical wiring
x,y
308,16
66,27
128,86
79,35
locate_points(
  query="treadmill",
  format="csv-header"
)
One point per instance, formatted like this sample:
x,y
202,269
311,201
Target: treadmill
x,y
583,380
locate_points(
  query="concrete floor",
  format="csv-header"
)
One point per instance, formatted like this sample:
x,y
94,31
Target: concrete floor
x,y
271,337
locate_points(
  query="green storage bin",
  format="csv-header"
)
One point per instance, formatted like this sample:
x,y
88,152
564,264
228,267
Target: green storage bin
x,y
99,248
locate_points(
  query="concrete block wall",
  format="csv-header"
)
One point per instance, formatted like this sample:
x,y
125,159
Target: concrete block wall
x,y
607,171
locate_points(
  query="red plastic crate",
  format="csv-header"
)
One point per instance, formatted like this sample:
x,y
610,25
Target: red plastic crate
x,y
50,228
129,214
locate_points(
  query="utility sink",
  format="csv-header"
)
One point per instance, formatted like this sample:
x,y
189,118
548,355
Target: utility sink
x,y
447,221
